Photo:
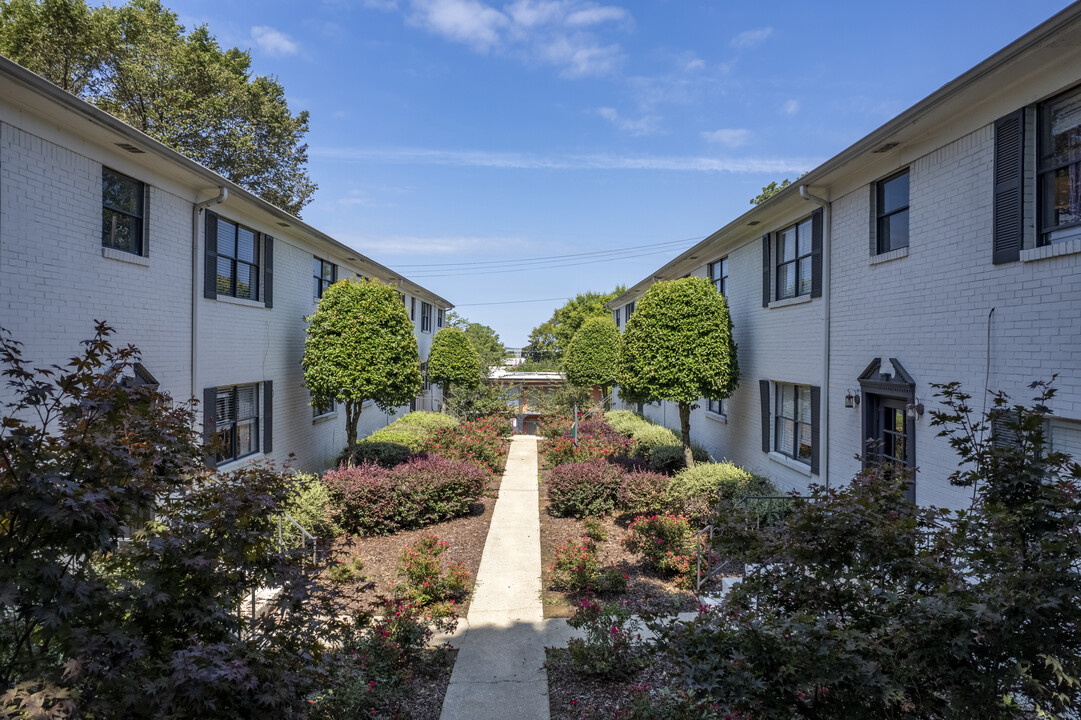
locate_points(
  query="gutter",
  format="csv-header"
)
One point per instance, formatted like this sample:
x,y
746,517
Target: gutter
x,y
196,210
827,237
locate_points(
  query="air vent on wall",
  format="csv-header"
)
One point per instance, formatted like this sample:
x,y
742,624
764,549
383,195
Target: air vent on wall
x,y
129,147
886,148
752,223
283,224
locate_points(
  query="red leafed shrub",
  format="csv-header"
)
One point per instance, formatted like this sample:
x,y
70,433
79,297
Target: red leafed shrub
x,y
482,442
558,451
554,426
584,489
597,429
642,493
666,541
371,500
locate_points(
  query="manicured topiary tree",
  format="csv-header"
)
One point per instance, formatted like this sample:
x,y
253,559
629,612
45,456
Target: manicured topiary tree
x,y
678,346
360,346
453,360
593,355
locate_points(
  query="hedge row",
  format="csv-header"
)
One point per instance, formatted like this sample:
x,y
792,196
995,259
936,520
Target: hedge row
x,y
654,443
397,442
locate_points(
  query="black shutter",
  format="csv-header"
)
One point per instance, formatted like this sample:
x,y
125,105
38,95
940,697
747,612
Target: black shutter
x,y
1009,187
763,387
816,427
816,253
766,294
210,425
268,271
210,256
268,416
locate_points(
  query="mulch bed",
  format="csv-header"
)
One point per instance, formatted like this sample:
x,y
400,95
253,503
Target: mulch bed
x,y
643,583
466,537
574,696
423,699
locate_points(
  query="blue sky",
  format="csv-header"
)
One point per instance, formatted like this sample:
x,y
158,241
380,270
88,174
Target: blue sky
x,y
491,132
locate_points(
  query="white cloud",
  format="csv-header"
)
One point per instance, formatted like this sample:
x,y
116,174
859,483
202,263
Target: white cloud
x,y
695,64
791,107
599,161
273,42
732,137
561,33
751,38
647,125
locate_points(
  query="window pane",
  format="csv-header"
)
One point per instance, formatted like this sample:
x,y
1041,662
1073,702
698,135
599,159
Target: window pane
x,y
246,279
786,280
316,288
899,230
121,193
786,244
724,267
120,231
805,235
786,437
804,404
225,276
788,401
805,276
245,245
226,238
317,267
805,442
245,402
893,194
226,450
1066,129
224,410
1066,191
247,440
328,272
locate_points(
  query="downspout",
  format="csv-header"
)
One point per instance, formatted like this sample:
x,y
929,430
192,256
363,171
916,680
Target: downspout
x,y
196,293
827,233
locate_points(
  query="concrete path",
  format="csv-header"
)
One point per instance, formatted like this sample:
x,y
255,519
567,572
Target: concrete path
x,y
500,671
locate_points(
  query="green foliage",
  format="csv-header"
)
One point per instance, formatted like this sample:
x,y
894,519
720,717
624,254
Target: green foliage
x,y
577,570
429,422
137,62
593,355
669,459
698,490
678,346
666,541
428,580
647,437
642,493
397,442
484,340
625,421
309,505
595,530
584,489
360,346
95,626
386,454
482,442
411,437
561,399
863,605
550,340
344,573
772,189
612,647
452,360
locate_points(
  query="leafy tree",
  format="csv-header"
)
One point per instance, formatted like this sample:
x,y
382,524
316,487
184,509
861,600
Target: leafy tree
x,y
862,605
678,346
484,399
772,189
452,361
484,339
137,62
593,355
543,346
148,627
360,346
550,340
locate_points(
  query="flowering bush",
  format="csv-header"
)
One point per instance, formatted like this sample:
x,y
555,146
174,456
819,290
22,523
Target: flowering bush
x,y
642,493
554,426
482,442
428,581
666,541
562,450
372,500
578,570
612,647
583,489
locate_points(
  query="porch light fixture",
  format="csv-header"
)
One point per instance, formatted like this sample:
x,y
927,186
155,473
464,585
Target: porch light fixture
x,y
914,410
852,398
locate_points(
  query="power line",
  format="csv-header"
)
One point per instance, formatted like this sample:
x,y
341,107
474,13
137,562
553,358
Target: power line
x,y
511,302
485,271
552,258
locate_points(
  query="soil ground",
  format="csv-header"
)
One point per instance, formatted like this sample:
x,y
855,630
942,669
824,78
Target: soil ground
x,y
574,696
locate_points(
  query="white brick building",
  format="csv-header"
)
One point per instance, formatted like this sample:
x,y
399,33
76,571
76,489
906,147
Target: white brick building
x,y
945,245
100,222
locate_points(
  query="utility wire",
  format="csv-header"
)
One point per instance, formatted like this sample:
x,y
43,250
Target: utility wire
x,y
551,258
511,302
485,271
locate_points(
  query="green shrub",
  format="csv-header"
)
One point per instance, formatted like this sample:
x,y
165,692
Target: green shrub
x,y
595,530
411,437
666,541
583,489
612,647
649,437
642,493
669,459
385,454
310,507
430,422
697,491
577,570
625,421
346,572
429,581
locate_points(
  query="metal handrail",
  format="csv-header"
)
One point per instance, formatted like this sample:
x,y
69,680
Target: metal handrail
x,y
304,534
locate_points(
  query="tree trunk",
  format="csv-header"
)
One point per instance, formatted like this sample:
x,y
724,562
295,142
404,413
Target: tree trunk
x,y
352,418
685,428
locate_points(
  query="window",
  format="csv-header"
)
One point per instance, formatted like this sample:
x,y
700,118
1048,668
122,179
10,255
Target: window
x,y
615,316
238,261
718,273
325,274
324,408
719,407
630,309
122,212
891,203
424,376
794,264
413,309
439,317
1060,168
425,317
237,416
792,433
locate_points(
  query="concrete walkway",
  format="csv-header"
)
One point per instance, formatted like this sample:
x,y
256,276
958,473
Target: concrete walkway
x,y
500,671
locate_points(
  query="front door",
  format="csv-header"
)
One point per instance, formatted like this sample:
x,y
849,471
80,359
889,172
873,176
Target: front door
x,y
891,434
